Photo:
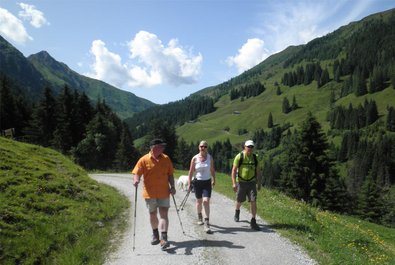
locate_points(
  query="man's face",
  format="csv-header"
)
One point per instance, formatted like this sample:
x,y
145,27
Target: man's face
x,y
158,149
249,149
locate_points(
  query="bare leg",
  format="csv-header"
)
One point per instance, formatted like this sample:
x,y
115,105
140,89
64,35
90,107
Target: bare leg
x,y
206,206
164,220
154,219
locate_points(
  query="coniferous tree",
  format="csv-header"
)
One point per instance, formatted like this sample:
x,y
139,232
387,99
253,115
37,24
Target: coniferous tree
x,y
126,155
286,108
359,84
44,118
370,205
376,80
7,106
372,113
308,167
324,78
62,139
294,105
270,121
391,119
278,91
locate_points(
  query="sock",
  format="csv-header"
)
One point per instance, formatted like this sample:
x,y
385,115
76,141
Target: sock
x,y
164,235
155,232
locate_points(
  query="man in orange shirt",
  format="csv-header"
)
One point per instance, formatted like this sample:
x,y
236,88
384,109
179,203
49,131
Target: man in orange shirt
x,y
157,171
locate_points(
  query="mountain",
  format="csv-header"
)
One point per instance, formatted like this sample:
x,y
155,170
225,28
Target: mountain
x,y
14,65
366,46
38,70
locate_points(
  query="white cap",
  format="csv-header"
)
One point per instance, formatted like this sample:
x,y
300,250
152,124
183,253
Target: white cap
x,y
249,142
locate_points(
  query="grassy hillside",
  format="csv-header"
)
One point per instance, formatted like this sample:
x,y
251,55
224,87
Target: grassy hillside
x,y
254,111
370,37
51,212
328,238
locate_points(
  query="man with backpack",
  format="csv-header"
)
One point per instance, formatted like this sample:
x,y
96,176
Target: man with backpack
x,y
246,179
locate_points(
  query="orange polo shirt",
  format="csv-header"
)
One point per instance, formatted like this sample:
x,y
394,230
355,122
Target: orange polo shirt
x,y
156,175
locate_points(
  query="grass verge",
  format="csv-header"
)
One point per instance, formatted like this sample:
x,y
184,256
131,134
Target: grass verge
x,y
327,237
51,212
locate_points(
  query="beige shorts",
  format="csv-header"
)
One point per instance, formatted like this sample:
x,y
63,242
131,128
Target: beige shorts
x,y
153,204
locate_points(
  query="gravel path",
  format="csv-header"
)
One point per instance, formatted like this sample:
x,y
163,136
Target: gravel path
x,y
231,243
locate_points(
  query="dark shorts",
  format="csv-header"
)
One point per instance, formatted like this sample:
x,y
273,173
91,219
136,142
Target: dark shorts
x,y
202,188
246,189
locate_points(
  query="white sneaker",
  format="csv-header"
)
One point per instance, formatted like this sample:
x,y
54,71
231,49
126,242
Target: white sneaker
x,y
207,228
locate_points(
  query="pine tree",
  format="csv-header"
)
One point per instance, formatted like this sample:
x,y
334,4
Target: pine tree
x,y
270,121
62,138
126,155
309,167
391,119
44,118
8,110
294,105
370,205
286,108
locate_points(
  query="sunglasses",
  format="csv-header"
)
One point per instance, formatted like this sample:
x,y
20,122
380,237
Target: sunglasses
x,y
250,146
203,146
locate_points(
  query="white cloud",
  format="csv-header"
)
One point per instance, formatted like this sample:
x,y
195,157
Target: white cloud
x,y
12,28
30,13
250,54
107,66
172,63
151,63
294,23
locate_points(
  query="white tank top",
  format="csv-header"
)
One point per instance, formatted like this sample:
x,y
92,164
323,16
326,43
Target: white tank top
x,y
202,168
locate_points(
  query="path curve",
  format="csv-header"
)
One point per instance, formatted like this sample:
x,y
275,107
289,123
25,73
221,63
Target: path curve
x,y
231,243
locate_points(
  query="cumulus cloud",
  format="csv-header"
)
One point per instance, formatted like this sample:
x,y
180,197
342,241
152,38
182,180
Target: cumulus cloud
x,y
12,28
250,54
35,16
150,63
108,66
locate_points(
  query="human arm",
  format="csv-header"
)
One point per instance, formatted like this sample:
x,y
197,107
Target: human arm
x,y
171,182
136,179
233,174
190,174
212,171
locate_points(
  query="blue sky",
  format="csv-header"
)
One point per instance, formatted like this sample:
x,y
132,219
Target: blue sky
x,y
165,50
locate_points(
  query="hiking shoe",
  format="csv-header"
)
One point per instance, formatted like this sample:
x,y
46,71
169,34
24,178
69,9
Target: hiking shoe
x,y
155,240
254,225
164,244
207,228
200,219
237,215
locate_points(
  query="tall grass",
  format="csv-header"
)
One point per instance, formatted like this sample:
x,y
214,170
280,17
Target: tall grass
x,y
51,212
327,237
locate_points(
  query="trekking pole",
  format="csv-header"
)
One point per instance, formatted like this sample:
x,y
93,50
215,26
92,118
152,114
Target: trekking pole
x,y
183,202
134,221
175,205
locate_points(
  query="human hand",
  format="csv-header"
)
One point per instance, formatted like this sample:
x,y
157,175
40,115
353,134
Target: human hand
x,y
234,187
172,190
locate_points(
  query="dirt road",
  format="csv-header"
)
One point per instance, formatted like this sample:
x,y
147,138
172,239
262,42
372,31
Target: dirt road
x,y
231,243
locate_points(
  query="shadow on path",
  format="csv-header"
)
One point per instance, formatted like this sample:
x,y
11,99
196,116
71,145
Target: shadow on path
x,y
191,244
234,230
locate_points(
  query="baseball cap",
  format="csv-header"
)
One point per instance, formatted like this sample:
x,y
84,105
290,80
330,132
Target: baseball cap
x,y
156,142
249,143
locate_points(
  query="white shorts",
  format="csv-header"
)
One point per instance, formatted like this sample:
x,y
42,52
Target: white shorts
x,y
153,204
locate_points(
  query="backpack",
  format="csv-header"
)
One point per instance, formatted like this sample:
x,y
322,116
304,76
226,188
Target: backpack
x,y
241,162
